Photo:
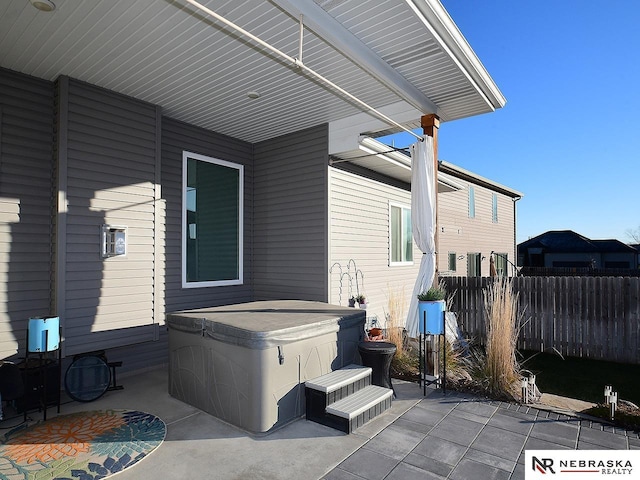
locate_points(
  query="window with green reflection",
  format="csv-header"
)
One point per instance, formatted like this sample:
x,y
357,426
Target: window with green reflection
x,y
212,211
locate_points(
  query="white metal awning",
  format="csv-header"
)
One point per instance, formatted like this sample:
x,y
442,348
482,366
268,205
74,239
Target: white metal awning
x,y
384,159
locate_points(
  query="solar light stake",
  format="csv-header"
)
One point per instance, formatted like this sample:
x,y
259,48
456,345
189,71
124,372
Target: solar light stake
x,y
613,403
607,392
523,384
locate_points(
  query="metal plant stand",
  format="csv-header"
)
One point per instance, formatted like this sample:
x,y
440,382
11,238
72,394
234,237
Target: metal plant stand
x,y
433,345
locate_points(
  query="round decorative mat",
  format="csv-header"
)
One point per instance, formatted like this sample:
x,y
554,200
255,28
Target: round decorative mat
x,y
85,446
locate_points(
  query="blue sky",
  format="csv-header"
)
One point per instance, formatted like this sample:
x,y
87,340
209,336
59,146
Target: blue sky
x,y
569,135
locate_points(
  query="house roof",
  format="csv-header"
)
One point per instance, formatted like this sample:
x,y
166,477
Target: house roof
x,y
404,57
562,241
461,173
396,163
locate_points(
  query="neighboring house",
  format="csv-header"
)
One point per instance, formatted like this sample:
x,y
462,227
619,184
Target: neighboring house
x,y
152,162
474,224
476,217
637,247
568,249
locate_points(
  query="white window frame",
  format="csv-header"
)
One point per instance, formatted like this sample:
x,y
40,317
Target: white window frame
x,y
402,207
494,207
450,256
472,201
212,283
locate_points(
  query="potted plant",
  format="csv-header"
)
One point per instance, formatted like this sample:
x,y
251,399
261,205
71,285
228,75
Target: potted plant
x,y
361,301
431,307
352,302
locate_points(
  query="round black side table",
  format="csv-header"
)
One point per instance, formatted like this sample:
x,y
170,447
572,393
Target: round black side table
x,y
378,356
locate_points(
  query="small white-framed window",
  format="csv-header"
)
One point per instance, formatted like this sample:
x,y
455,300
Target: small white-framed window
x,y
400,235
212,221
494,208
472,202
452,260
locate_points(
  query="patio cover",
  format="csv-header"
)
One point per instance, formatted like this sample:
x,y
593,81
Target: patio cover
x,y
405,58
423,219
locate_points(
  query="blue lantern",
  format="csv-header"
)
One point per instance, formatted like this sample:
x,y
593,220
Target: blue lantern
x,y
44,334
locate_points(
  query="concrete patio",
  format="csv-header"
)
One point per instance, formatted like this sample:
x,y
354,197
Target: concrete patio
x,y
454,436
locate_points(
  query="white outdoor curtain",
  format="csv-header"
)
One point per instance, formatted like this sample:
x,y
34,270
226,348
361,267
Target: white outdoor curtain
x,y
423,219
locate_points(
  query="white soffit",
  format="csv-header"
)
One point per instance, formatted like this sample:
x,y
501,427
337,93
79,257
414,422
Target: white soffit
x,y
388,53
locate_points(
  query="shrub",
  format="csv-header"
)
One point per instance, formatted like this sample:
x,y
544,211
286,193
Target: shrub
x,y
395,319
433,294
501,369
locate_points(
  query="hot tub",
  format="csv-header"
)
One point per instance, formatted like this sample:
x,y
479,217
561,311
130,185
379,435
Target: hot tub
x,y
246,364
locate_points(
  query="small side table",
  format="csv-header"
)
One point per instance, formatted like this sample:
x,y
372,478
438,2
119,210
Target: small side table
x,y
378,356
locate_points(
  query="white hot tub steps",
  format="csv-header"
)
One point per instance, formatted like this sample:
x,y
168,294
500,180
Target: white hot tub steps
x,y
345,399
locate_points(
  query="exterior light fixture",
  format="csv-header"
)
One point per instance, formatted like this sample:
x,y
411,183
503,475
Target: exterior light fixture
x,y
43,5
253,95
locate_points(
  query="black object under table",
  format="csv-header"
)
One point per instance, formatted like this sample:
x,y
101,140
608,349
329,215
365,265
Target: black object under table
x,y
378,356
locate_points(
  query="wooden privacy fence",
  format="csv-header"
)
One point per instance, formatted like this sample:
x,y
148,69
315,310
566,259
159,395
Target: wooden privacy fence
x,y
593,317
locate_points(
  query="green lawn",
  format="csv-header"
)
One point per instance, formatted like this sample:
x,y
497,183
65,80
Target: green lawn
x,y
583,378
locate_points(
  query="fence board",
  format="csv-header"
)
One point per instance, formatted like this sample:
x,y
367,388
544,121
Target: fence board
x,y
594,317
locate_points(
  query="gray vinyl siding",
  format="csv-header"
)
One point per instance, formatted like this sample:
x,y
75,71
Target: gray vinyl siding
x,y
290,216
177,137
359,216
107,167
26,190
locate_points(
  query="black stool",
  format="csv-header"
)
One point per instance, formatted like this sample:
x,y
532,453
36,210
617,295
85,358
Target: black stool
x,y
378,356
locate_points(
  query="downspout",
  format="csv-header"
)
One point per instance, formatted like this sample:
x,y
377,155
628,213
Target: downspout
x,y
515,242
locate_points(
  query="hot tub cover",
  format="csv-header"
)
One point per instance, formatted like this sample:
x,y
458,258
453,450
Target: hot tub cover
x,y
265,324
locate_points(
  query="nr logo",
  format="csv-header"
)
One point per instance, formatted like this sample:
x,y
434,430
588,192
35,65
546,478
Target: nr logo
x,y
542,465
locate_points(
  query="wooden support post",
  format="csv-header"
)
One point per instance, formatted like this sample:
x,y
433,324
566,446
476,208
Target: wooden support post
x,y
430,125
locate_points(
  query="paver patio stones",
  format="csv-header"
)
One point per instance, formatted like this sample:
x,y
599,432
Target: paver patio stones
x,y
404,471
472,417
556,432
591,446
512,421
428,464
534,443
518,472
441,450
339,474
602,438
457,430
470,470
634,443
489,459
483,409
395,442
418,427
424,415
438,404
502,443
369,464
